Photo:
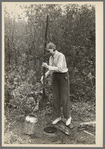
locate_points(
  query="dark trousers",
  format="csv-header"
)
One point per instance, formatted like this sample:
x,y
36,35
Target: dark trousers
x,y
61,94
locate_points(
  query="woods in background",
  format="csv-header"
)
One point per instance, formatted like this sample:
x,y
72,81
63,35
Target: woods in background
x,y
71,27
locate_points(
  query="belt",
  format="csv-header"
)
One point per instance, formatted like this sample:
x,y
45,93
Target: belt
x,y
60,72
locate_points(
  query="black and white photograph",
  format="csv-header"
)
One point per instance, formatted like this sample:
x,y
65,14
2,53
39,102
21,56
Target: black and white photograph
x,y
52,74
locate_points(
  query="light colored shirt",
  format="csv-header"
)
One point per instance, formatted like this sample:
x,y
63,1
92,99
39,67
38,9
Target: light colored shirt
x,y
57,63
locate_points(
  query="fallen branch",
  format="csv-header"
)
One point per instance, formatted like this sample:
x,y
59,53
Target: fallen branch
x,y
93,123
88,133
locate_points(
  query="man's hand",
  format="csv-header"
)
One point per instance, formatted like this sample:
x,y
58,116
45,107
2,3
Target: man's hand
x,y
41,79
45,65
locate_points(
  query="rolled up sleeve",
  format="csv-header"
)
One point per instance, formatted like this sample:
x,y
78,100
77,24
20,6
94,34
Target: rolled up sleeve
x,y
59,64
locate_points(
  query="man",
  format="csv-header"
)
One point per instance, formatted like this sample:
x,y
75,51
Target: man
x,y
60,83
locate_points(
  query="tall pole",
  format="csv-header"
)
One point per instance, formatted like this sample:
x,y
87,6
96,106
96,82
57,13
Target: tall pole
x,y
45,57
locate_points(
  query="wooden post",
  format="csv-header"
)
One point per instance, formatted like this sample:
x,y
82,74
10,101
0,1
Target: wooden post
x,y
44,58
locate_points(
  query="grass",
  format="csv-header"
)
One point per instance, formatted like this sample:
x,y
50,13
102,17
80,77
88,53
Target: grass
x,y
80,112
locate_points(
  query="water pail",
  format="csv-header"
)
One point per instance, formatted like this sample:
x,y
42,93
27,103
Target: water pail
x,y
29,125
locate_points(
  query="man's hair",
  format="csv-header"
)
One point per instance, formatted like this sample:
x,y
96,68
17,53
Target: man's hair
x,y
51,46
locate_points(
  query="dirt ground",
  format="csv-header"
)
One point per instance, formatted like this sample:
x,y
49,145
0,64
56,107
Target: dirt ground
x,y
80,112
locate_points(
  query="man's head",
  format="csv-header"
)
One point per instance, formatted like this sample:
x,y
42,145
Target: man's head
x,y
51,48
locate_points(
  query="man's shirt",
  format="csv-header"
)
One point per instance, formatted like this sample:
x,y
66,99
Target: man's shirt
x,y
57,63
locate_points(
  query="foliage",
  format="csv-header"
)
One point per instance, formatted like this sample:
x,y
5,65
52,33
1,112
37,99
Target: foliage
x,y
72,29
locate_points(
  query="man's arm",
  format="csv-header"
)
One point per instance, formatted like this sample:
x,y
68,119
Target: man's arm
x,y
47,73
57,68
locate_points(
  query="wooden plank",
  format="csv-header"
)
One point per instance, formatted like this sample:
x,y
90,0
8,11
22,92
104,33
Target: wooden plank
x,y
62,127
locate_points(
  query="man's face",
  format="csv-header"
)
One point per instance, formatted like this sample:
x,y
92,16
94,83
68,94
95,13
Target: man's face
x,y
51,51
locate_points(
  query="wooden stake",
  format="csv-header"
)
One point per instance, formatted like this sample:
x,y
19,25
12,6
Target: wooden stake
x,y
44,58
88,133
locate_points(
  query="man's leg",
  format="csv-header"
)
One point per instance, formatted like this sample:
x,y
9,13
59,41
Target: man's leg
x,y
65,95
56,95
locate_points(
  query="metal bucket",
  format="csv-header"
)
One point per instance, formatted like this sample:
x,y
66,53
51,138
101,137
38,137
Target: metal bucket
x,y
30,122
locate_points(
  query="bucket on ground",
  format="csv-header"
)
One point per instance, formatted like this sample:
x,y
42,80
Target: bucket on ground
x,y
29,125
